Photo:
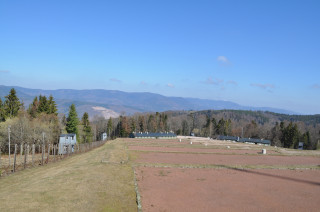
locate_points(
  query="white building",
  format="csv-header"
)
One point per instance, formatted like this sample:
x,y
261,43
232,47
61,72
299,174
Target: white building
x,y
67,143
104,136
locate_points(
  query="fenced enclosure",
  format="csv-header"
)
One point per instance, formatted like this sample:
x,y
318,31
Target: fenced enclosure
x,y
26,156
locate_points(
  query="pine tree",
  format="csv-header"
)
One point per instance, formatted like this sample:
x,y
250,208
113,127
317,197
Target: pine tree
x,y
72,120
2,113
86,127
290,135
109,126
11,104
124,127
33,108
52,107
132,125
43,104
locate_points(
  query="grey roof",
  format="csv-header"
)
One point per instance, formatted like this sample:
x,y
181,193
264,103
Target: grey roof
x,y
156,135
238,139
67,135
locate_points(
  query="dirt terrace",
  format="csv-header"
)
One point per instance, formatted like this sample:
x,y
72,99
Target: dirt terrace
x,y
190,180
172,189
198,150
184,158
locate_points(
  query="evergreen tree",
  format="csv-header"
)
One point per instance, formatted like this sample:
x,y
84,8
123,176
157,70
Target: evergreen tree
x,y
33,108
132,125
208,127
86,128
72,120
11,104
290,135
52,106
109,126
2,113
43,104
124,127
305,138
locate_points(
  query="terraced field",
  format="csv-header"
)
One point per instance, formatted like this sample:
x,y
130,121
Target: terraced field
x,y
196,174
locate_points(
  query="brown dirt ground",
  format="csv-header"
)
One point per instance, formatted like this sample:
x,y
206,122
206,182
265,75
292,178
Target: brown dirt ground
x,y
184,158
174,189
199,150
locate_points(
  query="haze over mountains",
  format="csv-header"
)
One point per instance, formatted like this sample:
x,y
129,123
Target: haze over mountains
x,y
112,102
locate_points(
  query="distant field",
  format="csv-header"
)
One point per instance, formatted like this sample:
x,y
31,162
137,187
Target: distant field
x,y
207,175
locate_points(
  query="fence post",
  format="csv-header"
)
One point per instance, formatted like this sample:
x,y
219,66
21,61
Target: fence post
x,y
33,150
15,158
0,160
69,149
42,155
48,153
28,152
21,150
25,156
9,131
54,153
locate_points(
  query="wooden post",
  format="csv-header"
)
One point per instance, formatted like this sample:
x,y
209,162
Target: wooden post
x,y
28,152
0,160
69,146
15,158
54,152
9,131
42,155
21,151
48,153
33,151
25,156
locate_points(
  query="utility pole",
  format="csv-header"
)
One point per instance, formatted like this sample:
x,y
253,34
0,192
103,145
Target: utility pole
x,y
9,131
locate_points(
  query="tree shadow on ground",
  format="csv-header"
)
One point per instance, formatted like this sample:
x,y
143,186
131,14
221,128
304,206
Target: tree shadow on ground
x,y
272,175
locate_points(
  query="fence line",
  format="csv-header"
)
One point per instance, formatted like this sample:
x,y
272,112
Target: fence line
x,y
43,157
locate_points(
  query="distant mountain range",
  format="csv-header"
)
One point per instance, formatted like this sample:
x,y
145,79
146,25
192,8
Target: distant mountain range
x,y
111,102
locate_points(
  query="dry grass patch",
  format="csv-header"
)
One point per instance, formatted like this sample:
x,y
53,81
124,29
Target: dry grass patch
x,y
79,183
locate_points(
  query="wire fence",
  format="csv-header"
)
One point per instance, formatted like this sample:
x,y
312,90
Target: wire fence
x,y
28,156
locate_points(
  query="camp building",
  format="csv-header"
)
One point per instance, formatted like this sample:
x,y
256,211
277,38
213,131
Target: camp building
x,y
159,135
67,143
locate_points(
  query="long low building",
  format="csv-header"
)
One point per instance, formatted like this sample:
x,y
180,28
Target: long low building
x,y
244,140
159,135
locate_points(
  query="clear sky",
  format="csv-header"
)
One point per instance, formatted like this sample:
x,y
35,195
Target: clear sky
x,y
255,53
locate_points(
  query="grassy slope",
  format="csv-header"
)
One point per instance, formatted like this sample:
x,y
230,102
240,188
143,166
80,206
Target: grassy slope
x,y
79,183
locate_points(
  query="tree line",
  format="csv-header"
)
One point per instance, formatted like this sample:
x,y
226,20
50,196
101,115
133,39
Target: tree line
x,y
40,119
283,130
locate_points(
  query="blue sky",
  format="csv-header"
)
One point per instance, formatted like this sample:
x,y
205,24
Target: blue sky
x,y
255,53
